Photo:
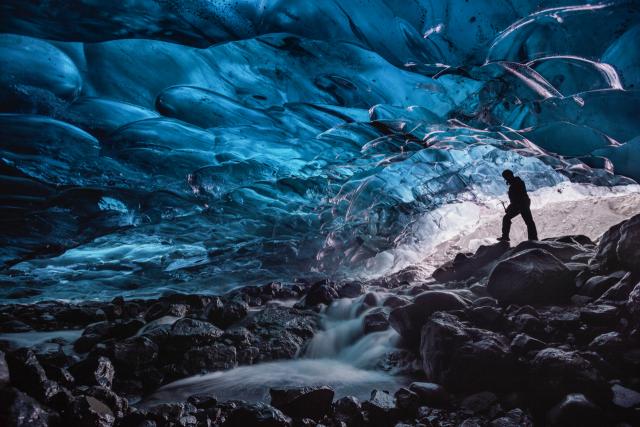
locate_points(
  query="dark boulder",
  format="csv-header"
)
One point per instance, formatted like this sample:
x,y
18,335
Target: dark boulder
x,y
348,410
257,414
225,313
621,290
566,251
215,357
27,374
4,370
20,410
87,411
531,277
555,373
161,309
625,398
619,247
94,371
479,403
135,353
464,358
173,414
303,402
464,266
375,321
380,408
431,394
575,410
596,286
187,333
633,304
320,293
409,319
118,405
350,290
523,343
600,315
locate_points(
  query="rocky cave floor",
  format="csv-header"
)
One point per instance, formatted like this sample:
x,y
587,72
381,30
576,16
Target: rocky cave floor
x,y
545,333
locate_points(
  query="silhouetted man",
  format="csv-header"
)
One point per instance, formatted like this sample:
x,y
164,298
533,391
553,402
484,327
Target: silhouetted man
x,y
519,205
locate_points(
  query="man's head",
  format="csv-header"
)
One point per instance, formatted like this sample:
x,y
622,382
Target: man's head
x,y
508,176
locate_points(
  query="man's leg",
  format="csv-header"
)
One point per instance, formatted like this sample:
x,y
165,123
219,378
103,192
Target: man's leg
x,y
511,213
531,226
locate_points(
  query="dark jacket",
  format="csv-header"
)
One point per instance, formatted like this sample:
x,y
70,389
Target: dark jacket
x,y
518,192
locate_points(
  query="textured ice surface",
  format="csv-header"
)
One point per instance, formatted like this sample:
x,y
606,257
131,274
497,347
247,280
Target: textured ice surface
x,y
189,145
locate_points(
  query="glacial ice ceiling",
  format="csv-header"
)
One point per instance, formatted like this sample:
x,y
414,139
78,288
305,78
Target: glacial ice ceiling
x,y
202,144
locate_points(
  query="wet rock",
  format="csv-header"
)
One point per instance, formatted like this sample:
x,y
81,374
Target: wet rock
x,y
479,402
555,373
320,293
4,370
187,333
621,290
599,315
486,317
161,309
27,374
514,418
134,353
408,320
173,414
566,251
619,248
118,405
394,301
20,410
531,277
464,358
257,414
431,394
523,343
301,402
380,408
94,371
485,302
225,313
611,343
203,401
88,411
575,410
348,410
407,402
624,397
596,286
351,290
633,304
375,322
215,357
464,266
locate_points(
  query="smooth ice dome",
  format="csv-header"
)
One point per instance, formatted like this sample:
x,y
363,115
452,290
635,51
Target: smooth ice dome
x,y
196,146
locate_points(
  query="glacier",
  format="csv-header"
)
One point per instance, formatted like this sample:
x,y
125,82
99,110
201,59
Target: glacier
x,y
149,146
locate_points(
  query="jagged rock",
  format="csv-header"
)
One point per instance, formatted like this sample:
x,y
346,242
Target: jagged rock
x,y
348,410
225,313
215,357
464,358
600,315
531,277
514,418
4,370
301,402
464,266
619,248
375,322
203,401
485,317
407,402
431,394
320,293
596,286
27,374
624,397
555,373
94,371
257,414
380,408
351,290
161,309
621,290
87,411
118,405
408,320
611,343
633,304
523,343
479,402
575,410
187,333
485,302
564,250
173,414
135,353
20,410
